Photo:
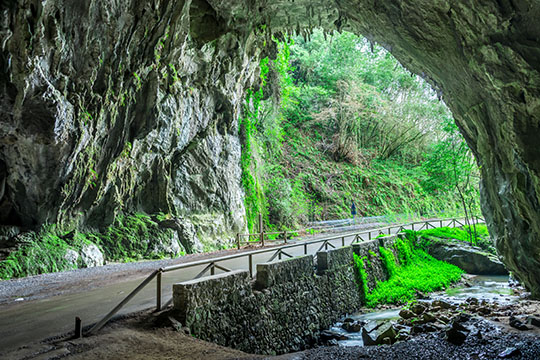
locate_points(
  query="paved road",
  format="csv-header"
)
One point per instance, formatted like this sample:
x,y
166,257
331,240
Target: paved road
x,y
31,321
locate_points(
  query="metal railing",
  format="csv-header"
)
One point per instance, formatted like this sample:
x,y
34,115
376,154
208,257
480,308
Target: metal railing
x,y
278,252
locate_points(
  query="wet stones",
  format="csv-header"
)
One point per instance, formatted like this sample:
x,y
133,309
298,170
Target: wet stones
x,y
509,352
328,335
442,304
534,321
456,333
406,314
418,308
384,333
352,326
518,324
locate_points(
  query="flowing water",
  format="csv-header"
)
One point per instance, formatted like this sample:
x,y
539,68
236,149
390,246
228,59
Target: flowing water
x,y
482,287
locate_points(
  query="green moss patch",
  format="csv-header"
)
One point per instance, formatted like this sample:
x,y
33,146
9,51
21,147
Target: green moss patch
x,y
476,235
415,271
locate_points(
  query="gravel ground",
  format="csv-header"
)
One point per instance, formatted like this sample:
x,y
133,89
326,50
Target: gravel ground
x,y
53,284
490,344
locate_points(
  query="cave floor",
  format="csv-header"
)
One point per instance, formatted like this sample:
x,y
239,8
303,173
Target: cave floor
x,y
148,335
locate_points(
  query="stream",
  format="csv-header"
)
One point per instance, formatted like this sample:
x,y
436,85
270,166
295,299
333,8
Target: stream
x,y
482,287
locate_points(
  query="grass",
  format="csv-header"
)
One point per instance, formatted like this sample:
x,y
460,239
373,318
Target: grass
x,y
128,239
481,239
41,252
416,271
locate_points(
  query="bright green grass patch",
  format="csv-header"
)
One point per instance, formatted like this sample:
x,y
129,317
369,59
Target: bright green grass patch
x,y
424,274
461,234
416,271
481,238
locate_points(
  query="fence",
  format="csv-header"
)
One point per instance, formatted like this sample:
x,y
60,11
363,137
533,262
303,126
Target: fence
x,y
277,252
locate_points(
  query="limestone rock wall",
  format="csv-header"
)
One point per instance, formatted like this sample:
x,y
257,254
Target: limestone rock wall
x,y
121,106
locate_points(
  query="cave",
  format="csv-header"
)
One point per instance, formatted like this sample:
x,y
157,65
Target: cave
x,y
110,106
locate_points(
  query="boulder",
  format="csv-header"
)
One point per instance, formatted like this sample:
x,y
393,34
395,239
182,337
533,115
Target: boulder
x,y
328,335
166,245
378,335
456,333
406,314
442,304
518,324
185,233
91,255
418,308
509,352
354,326
72,257
534,321
470,259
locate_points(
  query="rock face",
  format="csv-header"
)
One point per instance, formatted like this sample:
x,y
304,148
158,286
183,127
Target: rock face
x,y
469,258
120,107
134,105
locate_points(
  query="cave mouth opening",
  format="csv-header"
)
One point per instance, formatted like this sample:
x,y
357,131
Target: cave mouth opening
x,y
483,60
188,62
338,120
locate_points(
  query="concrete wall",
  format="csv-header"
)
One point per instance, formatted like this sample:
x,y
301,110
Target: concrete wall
x,y
283,309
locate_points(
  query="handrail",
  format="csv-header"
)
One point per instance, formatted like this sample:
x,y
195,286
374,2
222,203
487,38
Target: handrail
x,y
239,235
211,262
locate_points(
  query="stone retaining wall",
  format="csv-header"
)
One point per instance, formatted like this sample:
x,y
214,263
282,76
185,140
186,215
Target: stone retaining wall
x,y
283,310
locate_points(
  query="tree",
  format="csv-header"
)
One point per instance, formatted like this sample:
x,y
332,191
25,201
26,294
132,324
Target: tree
x,y
451,165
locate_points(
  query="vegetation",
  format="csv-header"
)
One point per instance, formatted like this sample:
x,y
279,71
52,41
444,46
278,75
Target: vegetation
x,y
480,235
41,252
129,238
414,270
340,120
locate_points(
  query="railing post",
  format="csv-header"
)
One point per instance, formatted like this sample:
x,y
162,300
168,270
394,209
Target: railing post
x,y
369,235
343,241
158,291
279,254
78,328
412,226
326,245
389,230
441,223
261,230
213,269
238,240
305,249
251,265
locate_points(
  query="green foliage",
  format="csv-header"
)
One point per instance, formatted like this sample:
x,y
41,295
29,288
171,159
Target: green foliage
x,y
42,252
128,237
450,165
405,250
389,261
344,121
416,271
424,274
466,234
254,200
361,275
